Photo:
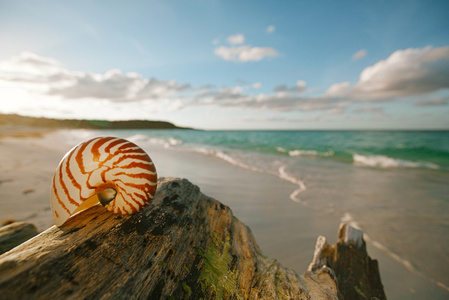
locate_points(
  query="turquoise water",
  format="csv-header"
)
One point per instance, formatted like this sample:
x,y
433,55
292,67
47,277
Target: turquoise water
x,y
427,150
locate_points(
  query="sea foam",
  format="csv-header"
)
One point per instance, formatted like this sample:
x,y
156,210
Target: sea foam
x,y
301,186
281,172
229,159
382,161
310,153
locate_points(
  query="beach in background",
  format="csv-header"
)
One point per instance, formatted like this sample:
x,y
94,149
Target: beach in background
x,y
289,187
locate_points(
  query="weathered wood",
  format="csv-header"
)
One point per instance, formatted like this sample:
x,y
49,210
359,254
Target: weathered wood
x,y
15,234
184,244
357,274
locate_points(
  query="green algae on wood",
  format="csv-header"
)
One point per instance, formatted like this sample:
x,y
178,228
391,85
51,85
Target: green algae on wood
x,y
216,276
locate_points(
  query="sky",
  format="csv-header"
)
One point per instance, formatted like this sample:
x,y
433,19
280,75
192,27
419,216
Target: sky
x,y
225,64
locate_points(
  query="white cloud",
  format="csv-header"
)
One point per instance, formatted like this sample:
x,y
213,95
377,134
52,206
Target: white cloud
x,y
301,85
236,39
404,73
29,59
270,29
47,76
244,53
359,54
116,86
337,90
284,99
29,67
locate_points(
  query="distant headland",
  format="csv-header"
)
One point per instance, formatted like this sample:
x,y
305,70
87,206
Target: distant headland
x,y
14,119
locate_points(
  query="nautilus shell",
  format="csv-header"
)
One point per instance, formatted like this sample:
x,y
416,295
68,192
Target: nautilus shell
x,y
111,171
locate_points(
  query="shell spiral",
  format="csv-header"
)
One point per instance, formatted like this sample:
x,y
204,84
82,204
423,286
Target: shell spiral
x,y
98,164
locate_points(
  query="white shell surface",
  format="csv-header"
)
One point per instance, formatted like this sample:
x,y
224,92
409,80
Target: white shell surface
x,y
98,164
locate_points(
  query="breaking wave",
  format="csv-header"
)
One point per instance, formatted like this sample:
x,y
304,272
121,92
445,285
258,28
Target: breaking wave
x,y
310,153
381,161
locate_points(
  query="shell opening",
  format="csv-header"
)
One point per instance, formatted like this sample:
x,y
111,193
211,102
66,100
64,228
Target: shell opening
x,y
89,202
107,195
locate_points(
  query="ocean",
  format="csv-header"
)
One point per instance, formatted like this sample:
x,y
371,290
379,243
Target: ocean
x,y
393,185
380,149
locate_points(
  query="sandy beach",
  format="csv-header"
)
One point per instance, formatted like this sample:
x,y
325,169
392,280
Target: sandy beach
x,y
284,230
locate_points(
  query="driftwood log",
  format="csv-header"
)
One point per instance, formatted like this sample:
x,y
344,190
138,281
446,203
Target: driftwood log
x,y
184,245
357,274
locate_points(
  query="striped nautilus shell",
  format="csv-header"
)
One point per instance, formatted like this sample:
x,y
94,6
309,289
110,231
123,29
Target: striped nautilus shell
x,y
107,170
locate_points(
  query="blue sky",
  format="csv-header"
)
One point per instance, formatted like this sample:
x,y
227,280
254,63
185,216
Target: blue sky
x,y
229,64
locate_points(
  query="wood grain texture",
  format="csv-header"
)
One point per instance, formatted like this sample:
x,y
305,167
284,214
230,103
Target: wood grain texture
x,y
183,244
358,275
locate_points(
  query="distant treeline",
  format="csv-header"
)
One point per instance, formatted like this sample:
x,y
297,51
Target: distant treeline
x,y
14,119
